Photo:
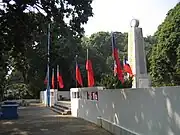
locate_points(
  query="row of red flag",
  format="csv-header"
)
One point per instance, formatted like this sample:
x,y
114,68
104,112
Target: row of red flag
x,y
59,79
118,70
90,73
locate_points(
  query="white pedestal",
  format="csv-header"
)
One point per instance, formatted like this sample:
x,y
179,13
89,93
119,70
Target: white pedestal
x,y
137,57
53,97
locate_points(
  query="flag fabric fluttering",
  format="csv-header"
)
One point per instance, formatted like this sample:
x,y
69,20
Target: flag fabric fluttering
x,y
52,79
59,78
45,80
90,73
116,58
78,74
115,68
127,68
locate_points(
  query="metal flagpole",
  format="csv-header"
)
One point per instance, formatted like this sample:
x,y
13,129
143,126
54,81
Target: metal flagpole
x,y
57,77
87,54
75,69
87,71
48,85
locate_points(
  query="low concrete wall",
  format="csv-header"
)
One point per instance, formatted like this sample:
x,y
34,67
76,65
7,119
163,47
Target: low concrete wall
x,y
53,97
64,94
114,128
149,111
43,97
27,100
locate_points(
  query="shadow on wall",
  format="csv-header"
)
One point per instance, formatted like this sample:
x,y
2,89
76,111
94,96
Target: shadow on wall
x,y
89,110
148,111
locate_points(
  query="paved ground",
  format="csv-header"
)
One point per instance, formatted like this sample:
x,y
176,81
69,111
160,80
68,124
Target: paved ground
x,y
38,120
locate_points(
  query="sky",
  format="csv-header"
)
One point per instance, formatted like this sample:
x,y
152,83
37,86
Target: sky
x,y
115,15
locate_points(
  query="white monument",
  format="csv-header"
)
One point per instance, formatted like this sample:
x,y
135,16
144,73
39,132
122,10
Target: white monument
x,y
137,57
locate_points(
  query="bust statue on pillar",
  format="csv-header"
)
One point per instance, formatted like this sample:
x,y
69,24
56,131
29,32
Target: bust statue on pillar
x,y
137,56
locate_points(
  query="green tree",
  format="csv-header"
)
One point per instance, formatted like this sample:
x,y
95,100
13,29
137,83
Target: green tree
x,y
111,82
149,41
100,52
3,72
24,33
164,60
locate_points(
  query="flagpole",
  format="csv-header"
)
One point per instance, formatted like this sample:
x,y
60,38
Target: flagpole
x,y
57,77
87,54
53,78
48,86
114,68
112,42
75,70
87,67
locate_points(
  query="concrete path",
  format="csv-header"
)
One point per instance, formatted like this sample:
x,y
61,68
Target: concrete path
x,y
39,120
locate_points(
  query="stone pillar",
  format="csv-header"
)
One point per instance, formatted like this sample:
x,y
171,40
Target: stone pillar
x,y
137,56
52,97
55,96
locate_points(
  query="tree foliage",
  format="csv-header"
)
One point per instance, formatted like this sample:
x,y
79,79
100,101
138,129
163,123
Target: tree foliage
x,y
111,82
23,41
23,26
100,51
165,56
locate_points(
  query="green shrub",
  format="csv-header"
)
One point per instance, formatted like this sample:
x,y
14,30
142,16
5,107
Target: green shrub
x,y
111,82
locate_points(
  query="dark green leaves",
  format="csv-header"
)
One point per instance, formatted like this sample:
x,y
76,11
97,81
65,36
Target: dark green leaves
x,y
164,60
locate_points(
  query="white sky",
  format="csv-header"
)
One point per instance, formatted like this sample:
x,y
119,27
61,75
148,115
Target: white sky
x,y
115,15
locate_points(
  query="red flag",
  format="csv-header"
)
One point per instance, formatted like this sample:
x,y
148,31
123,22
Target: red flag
x,y
90,73
45,80
53,79
59,78
127,68
116,58
115,69
78,75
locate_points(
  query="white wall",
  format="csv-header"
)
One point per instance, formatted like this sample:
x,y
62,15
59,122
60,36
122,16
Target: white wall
x,y
65,94
74,103
53,97
81,107
149,111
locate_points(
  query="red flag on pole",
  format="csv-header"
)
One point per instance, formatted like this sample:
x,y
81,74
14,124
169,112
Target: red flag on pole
x,y
127,68
115,69
52,78
45,80
116,58
78,74
59,78
90,72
